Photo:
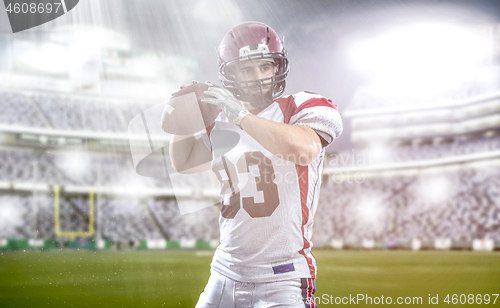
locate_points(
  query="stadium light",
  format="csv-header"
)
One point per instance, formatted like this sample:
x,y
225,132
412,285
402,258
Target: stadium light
x,y
370,210
436,189
74,164
208,13
422,57
90,37
10,215
84,43
49,57
378,152
134,183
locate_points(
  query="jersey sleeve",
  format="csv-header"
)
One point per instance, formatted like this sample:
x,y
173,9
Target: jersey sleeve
x,y
316,112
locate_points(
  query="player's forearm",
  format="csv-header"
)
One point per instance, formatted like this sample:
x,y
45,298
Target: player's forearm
x,y
189,154
295,143
180,150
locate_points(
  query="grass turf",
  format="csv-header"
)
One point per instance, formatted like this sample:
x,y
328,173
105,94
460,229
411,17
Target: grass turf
x,y
176,278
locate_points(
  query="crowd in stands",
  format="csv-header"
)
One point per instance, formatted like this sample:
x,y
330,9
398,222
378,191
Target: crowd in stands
x,y
67,112
32,216
459,205
88,168
380,153
462,205
70,168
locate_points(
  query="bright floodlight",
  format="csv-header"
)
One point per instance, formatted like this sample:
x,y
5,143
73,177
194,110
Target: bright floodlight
x,y
422,55
435,190
49,57
10,215
209,13
378,152
90,37
75,164
370,210
85,42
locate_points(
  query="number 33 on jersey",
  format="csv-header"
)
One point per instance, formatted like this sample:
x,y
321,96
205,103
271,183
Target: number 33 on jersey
x,y
260,175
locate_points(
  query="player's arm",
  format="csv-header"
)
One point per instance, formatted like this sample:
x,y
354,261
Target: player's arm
x,y
296,143
189,154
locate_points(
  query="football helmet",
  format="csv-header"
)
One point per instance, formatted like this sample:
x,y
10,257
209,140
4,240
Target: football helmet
x,y
251,41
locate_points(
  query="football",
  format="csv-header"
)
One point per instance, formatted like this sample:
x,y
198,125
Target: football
x,y
185,114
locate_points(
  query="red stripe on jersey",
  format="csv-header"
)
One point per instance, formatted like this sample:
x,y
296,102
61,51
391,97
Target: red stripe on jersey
x,y
289,108
302,172
315,102
310,285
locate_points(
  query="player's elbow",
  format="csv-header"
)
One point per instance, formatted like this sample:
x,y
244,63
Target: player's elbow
x,y
306,153
186,169
180,168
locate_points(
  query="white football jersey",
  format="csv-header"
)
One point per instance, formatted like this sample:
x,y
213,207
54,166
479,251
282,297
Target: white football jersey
x,y
268,203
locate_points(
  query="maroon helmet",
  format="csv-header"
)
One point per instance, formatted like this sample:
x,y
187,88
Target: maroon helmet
x,y
247,42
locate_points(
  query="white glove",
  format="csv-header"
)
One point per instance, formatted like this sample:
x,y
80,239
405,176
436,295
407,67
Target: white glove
x,y
232,107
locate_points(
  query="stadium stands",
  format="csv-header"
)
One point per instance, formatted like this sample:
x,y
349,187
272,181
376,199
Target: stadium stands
x,y
67,112
386,154
460,206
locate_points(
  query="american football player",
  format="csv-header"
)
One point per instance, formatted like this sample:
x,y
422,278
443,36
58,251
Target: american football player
x,y
270,180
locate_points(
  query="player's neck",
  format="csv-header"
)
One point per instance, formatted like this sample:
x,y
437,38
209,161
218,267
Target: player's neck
x,y
255,110
257,107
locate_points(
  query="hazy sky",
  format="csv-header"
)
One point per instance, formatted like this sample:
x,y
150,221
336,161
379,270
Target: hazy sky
x,y
317,33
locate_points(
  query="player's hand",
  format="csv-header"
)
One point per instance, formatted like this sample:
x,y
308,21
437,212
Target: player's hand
x,y
192,82
208,82
232,107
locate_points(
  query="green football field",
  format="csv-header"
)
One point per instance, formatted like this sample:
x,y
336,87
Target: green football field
x,y
175,278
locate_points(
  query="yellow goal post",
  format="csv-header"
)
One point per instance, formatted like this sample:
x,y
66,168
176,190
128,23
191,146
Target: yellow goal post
x,y
57,223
